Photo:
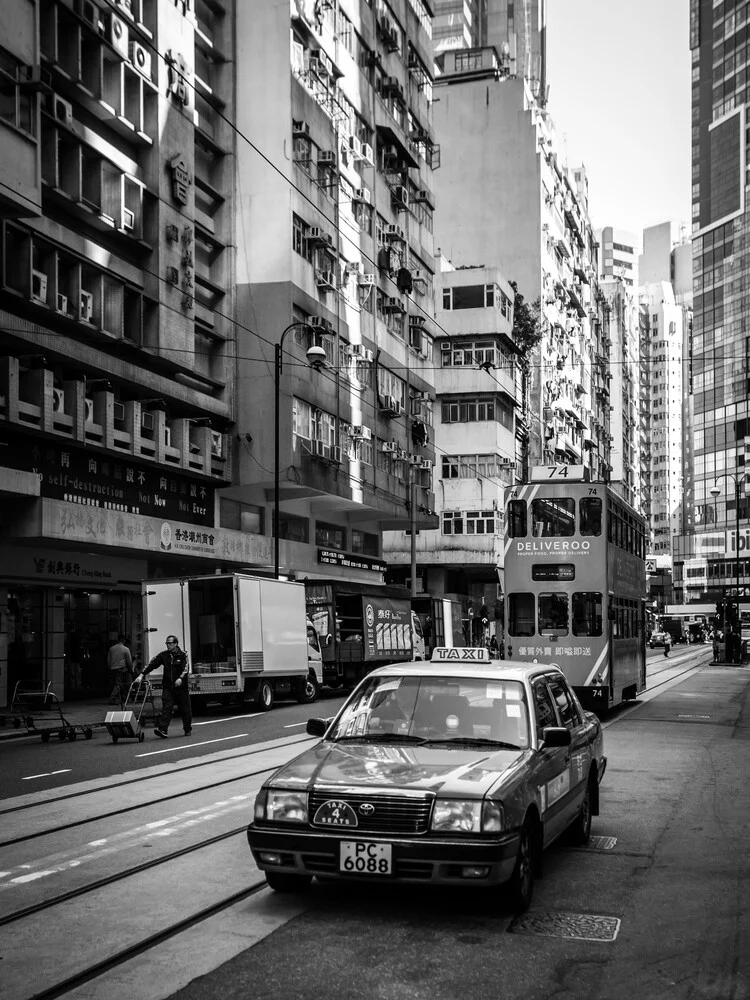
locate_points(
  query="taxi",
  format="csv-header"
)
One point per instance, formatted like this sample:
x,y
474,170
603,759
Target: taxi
x,y
457,771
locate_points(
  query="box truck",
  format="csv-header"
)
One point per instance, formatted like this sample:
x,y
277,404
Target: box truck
x,y
246,637
361,627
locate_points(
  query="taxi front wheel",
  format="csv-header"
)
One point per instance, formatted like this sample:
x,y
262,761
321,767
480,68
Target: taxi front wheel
x,y
521,884
580,828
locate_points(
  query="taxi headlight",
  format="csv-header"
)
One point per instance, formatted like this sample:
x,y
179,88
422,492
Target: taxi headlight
x,y
275,806
467,816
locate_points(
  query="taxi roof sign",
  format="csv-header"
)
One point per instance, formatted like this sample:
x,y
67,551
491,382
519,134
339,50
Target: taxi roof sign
x,y
460,654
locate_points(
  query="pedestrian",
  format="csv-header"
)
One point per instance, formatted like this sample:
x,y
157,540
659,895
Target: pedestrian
x,y
120,664
667,643
174,686
494,651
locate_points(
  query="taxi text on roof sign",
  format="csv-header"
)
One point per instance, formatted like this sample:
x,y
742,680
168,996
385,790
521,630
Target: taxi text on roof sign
x,y
460,654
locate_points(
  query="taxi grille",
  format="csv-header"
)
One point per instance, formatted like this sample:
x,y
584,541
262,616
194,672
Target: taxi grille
x,y
398,814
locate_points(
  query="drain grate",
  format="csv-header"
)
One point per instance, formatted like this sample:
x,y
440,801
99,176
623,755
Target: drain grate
x,y
602,843
571,926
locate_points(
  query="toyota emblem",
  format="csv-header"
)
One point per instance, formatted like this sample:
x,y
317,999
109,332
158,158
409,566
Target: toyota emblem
x,y
367,809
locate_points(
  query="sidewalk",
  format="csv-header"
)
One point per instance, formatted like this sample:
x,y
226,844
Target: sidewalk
x,y
87,712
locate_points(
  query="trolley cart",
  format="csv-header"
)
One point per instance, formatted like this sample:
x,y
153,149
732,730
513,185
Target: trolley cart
x,y
127,724
38,710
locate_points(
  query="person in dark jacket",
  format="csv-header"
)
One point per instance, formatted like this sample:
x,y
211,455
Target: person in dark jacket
x,y
174,686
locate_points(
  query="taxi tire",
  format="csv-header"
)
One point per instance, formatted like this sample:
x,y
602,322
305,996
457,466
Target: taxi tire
x,y
283,882
520,888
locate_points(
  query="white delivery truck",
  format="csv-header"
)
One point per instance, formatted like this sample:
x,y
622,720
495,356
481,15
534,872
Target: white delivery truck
x,y
246,637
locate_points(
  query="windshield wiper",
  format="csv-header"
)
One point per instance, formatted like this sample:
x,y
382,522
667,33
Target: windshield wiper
x,y
380,738
474,741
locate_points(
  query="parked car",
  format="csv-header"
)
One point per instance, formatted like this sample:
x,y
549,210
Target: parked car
x,y
447,772
659,639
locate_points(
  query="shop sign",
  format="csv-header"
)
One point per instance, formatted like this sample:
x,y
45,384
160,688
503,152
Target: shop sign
x,y
387,629
65,522
111,484
50,565
332,557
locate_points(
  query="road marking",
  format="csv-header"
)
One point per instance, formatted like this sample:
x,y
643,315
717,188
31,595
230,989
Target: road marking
x,y
183,746
46,774
295,725
231,718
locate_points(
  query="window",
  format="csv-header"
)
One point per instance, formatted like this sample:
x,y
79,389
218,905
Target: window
x,y
480,522
553,517
517,519
553,614
565,706
470,353
544,709
520,614
587,613
364,542
293,528
469,296
453,522
300,243
240,516
467,410
591,516
17,106
330,536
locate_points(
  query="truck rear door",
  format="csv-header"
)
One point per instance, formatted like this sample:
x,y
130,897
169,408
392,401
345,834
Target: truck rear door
x,y
164,613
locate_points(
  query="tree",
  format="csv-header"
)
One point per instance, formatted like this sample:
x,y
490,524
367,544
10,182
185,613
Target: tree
x,y
527,327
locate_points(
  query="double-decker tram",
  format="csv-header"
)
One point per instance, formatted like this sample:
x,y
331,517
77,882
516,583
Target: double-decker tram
x,y
575,583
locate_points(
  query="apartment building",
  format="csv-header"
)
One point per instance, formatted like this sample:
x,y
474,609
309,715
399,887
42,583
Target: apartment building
x,y
478,387
335,252
117,337
499,149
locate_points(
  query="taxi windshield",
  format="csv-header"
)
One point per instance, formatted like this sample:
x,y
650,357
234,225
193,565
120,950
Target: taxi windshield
x,y
436,708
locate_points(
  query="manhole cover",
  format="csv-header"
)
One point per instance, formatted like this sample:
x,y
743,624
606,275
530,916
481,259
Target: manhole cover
x,y
576,926
602,843
693,716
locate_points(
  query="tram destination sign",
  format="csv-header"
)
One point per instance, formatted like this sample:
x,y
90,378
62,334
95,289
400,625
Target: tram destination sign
x,y
93,479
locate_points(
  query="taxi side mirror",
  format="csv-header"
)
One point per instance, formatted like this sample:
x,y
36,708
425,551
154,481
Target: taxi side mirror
x,y
317,727
556,736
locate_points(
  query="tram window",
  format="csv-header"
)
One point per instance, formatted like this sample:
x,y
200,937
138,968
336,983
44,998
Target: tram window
x,y
553,614
521,614
587,613
517,519
553,517
591,516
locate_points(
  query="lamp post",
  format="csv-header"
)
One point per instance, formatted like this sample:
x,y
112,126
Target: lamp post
x,y
715,491
316,357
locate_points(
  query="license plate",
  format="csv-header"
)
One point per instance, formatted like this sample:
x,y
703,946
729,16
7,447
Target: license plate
x,y
358,857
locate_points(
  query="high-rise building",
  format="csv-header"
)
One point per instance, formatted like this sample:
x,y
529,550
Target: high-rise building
x,y
459,24
520,28
117,333
718,356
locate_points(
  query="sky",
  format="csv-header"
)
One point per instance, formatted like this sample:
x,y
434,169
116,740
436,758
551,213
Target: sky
x,y
619,76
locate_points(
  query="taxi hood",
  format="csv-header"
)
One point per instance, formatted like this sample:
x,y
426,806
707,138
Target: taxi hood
x,y
460,771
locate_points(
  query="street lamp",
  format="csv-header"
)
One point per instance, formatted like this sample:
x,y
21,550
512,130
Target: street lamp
x,y
316,358
715,491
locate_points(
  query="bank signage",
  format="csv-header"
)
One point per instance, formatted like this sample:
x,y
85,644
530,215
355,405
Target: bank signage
x,y
91,479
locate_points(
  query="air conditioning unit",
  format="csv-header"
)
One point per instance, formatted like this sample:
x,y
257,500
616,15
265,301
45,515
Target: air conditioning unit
x,y
147,420
217,444
425,463
415,459
325,279
317,235
58,401
118,35
119,412
367,154
39,287
141,59
362,194
362,432
128,219
61,109
390,404
126,6
62,303
327,157
88,410
355,147
419,321
366,280
401,195
356,350
389,447
506,461
391,152
335,455
87,306
321,449
394,232
392,304
319,323
369,356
